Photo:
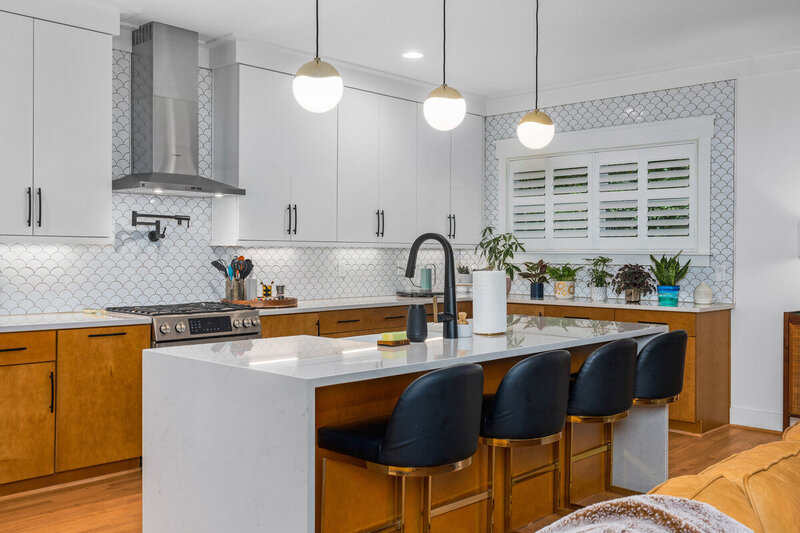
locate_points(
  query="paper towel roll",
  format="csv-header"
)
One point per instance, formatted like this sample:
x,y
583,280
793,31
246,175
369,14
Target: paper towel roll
x,y
489,302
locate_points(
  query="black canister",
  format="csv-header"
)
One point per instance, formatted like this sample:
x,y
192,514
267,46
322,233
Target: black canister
x,y
417,323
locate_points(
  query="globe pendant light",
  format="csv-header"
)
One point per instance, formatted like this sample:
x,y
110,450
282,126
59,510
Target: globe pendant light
x,y
536,129
445,108
317,86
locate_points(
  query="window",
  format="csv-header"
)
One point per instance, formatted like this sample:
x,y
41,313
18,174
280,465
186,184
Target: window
x,y
611,199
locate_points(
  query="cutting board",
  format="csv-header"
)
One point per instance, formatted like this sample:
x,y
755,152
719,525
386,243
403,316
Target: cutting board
x,y
272,303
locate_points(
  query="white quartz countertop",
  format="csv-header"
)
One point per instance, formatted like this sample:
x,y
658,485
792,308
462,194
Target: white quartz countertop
x,y
44,321
620,303
337,304
324,361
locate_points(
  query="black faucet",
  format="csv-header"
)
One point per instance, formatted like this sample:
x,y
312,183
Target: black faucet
x,y
448,318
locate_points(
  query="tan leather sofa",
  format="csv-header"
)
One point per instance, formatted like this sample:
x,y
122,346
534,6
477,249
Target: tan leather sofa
x,y
759,487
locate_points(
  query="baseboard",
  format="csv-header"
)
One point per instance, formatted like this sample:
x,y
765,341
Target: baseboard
x,y
756,418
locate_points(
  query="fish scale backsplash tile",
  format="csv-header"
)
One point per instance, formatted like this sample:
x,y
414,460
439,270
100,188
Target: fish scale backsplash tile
x,y
134,271
715,99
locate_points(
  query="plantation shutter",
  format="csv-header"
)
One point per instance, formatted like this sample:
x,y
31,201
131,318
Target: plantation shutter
x,y
641,199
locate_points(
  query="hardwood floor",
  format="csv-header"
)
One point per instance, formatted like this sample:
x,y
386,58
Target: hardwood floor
x,y
114,503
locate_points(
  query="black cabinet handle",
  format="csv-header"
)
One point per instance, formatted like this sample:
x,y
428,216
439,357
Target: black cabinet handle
x,y
348,321
39,218
118,334
52,392
289,231
295,219
454,226
449,226
383,223
13,349
30,206
653,323
378,216
577,317
393,317
318,328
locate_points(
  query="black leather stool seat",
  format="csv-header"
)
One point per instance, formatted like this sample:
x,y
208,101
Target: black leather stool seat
x,y
435,422
604,384
659,368
360,439
531,400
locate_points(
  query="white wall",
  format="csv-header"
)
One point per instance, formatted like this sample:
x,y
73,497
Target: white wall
x,y
767,266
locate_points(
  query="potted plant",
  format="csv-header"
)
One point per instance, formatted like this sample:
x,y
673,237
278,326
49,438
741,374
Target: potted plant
x,y
600,277
668,272
464,275
564,277
536,273
634,281
498,251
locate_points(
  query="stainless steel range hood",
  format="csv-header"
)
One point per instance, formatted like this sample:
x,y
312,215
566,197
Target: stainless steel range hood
x,y
164,116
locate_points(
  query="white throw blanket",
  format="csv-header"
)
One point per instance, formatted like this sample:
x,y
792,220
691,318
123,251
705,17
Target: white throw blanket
x,y
647,514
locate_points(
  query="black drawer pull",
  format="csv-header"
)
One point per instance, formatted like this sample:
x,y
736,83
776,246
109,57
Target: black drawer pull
x,y
348,321
394,317
653,323
118,334
578,317
14,349
52,392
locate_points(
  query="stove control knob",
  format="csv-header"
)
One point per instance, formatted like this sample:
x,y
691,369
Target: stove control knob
x,y
247,322
165,328
237,323
180,327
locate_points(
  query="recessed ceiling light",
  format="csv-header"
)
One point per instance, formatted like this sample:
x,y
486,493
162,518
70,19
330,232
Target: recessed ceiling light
x,y
413,55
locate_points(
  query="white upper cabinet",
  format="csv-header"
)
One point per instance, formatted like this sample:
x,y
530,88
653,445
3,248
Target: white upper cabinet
x,y
398,183
377,168
16,125
433,178
71,131
55,132
466,180
359,166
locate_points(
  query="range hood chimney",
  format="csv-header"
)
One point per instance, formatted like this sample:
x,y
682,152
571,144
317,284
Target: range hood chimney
x,y
164,116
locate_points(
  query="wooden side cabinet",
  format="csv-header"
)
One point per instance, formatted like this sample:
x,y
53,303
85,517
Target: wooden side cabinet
x,y
791,366
99,395
27,410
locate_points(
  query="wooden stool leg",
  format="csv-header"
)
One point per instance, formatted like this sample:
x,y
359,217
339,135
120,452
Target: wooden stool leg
x,y
322,498
401,525
568,464
609,431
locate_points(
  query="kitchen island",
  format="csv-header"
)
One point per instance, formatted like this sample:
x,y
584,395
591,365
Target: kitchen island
x,y
229,429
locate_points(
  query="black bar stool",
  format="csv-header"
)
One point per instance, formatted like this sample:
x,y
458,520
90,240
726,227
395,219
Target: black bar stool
x,y
528,409
601,392
659,369
433,429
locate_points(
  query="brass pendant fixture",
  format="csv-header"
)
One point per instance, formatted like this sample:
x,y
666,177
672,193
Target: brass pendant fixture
x,y
536,128
317,86
445,108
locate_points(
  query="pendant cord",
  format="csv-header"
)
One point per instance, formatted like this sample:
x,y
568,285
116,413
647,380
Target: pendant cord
x,y
537,55
444,41
316,54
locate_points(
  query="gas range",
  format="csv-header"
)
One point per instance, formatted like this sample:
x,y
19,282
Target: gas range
x,y
196,323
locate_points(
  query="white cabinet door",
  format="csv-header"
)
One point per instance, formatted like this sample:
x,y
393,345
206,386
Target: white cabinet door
x,y
313,159
360,164
71,131
16,125
466,180
265,118
433,178
398,149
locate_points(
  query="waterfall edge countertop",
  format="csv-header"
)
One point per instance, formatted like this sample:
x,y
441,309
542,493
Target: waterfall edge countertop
x,y
323,361
229,434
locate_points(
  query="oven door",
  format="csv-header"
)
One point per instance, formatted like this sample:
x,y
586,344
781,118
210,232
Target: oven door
x,y
207,340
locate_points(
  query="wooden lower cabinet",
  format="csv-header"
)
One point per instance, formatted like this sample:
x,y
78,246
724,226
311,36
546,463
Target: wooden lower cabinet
x,y
99,395
704,403
289,324
27,421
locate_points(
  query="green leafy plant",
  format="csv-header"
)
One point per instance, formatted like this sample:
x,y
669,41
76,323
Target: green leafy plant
x,y
499,250
535,272
462,269
668,270
599,274
633,277
563,273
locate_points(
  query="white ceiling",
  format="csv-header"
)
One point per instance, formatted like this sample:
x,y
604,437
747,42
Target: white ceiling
x,y
490,42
